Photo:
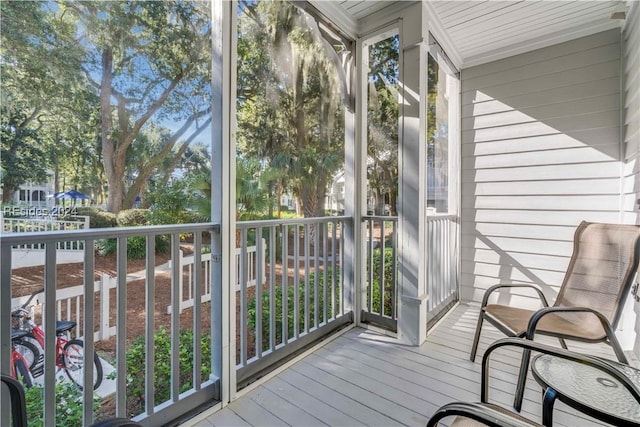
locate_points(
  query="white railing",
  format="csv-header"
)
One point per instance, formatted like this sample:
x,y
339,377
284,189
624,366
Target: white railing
x,y
90,313
381,268
186,267
442,264
35,225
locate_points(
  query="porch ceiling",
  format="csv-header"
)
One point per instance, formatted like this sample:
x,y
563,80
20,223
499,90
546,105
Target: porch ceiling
x,y
484,31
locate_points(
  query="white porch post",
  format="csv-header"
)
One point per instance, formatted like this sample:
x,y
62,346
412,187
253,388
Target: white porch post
x,y
412,322
223,197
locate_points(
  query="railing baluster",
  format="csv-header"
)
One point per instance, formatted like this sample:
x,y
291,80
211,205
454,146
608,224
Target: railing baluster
x,y
285,284
88,328
150,327
316,273
49,317
121,328
272,287
307,257
258,292
382,253
243,297
197,309
296,280
334,270
176,275
325,271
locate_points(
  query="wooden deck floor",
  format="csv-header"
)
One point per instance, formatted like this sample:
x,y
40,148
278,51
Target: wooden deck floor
x,y
364,378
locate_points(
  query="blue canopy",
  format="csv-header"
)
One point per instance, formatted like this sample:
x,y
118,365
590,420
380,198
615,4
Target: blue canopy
x,y
71,194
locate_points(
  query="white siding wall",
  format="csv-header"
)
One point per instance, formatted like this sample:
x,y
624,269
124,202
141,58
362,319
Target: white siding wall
x,y
540,153
631,138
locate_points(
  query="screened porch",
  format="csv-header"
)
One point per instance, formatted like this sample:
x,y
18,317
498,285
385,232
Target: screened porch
x,y
425,151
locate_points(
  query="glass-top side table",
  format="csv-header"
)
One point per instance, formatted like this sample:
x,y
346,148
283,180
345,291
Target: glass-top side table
x,y
587,389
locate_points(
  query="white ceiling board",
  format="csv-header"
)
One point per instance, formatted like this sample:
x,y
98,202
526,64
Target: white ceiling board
x,y
483,31
537,23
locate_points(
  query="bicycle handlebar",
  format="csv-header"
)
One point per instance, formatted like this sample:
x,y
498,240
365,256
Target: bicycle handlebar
x,y
39,291
20,312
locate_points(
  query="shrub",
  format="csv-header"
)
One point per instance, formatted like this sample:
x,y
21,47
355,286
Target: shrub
x,y
132,217
136,246
373,292
135,358
68,404
251,306
97,217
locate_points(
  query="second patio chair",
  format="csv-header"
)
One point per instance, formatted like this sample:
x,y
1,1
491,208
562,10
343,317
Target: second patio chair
x,y
589,302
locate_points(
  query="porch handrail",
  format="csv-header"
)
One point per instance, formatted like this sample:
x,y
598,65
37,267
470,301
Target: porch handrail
x,y
103,233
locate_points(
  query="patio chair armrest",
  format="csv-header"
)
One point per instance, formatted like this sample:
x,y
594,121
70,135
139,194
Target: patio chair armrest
x,y
488,292
538,315
486,414
596,362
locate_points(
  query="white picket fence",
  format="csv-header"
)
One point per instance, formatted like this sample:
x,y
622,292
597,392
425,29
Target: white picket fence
x,y
69,306
187,287
22,225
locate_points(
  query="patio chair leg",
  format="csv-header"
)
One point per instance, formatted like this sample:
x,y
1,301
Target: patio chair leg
x,y
522,379
563,343
616,347
476,338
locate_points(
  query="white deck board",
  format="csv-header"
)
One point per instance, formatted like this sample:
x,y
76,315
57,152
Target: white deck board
x,y
363,378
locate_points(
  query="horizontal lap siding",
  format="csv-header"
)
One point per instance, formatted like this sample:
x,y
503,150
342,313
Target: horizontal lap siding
x,y
540,153
631,113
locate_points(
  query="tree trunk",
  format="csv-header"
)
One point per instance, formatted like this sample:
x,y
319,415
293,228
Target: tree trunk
x,y
115,190
7,192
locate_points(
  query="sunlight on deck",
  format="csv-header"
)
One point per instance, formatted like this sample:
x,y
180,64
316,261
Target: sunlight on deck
x,y
364,378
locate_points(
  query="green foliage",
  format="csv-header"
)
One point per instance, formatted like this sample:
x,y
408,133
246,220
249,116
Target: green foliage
x,y
98,218
132,217
290,108
169,204
22,157
311,285
68,405
135,358
136,246
373,292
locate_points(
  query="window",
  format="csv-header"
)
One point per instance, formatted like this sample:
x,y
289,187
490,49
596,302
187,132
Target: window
x,y
441,127
382,123
291,102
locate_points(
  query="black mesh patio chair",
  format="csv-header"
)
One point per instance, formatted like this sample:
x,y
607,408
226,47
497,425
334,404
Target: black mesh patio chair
x,y
590,300
484,413
18,403
19,408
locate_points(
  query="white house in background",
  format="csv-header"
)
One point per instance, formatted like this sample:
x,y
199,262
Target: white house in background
x,y
334,200
34,195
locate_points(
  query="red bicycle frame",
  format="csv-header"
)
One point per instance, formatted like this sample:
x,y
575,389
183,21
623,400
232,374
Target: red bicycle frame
x,y
61,341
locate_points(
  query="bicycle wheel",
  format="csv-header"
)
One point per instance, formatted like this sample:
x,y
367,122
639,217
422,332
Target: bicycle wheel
x,y
73,358
28,350
22,373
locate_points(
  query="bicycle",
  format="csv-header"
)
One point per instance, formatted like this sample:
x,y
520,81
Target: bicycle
x,y
69,352
19,365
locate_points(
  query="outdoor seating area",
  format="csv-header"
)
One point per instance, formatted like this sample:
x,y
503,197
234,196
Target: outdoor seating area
x,y
363,377
346,212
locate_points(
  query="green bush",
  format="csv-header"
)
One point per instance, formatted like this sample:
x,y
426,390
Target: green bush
x,y
373,293
132,217
68,405
135,358
136,246
266,299
97,217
